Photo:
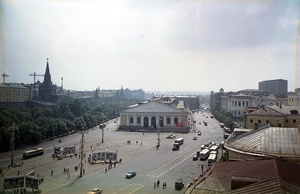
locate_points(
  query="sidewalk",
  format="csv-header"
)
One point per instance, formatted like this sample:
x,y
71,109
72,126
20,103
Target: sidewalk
x,y
192,188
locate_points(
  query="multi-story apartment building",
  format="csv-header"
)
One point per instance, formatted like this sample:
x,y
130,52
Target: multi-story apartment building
x,y
237,103
275,116
13,92
277,86
294,98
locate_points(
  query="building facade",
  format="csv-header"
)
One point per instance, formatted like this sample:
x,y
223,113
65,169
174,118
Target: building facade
x,y
12,92
156,114
277,86
294,98
275,116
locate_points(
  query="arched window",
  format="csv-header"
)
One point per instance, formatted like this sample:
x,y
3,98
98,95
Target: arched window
x,y
168,120
146,121
175,120
131,120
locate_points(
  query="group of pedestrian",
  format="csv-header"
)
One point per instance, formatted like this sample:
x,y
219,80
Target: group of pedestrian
x,y
156,184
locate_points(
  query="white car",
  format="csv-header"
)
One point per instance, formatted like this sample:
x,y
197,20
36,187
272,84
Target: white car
x,y
171,137
95,191
130,174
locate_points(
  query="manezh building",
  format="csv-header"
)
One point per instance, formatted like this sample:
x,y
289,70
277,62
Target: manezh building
x,y
171,115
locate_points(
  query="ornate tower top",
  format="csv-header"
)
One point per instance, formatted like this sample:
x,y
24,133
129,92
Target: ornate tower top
x,y
47,76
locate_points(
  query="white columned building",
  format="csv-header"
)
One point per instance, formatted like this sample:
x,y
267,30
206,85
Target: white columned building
x,y
155,113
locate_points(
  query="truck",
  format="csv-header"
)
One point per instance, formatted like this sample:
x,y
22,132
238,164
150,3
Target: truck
x,y
179,140
64,151
179,184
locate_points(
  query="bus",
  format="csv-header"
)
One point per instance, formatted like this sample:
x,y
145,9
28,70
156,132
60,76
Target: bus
x,y
204,154
214,148
179,140
32,153
212,158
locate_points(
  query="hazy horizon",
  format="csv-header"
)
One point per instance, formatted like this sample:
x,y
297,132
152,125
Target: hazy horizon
x,y
151,45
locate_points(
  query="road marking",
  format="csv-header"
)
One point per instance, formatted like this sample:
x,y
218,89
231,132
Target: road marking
x,y
155,172
135,187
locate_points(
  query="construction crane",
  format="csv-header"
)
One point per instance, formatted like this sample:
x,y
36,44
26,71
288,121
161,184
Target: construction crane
x,y
4,75
34,83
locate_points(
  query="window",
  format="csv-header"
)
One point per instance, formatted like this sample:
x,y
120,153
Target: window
x,y
294,112
294,121
175,120
131,120
286,120
138,120
251,121
267,121
259,121
168,120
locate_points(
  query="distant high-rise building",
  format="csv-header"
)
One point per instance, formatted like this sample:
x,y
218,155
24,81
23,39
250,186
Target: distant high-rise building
x,y
277,86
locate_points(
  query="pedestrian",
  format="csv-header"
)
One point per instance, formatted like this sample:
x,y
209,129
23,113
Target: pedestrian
x,y
51,172
158,183
165,184
69,176
105,169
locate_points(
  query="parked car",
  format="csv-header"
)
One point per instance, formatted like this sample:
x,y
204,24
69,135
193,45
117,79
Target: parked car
x,y
130,174
199,133
171,137
195,138
142,130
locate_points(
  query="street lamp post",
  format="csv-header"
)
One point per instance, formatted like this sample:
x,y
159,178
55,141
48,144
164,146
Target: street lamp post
x,y
12,144
81,152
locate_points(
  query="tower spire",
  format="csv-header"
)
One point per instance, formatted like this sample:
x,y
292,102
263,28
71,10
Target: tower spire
x,y
47,76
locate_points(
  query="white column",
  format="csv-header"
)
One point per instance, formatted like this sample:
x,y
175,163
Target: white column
x,y
127,120
142,120
149,121
172,120
134,120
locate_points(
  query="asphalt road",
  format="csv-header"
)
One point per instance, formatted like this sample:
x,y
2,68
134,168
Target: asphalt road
x,y
150,164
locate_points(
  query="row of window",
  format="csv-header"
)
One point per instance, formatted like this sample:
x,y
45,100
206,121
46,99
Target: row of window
x,y
146,119
240,103
17,93
16,100
267,121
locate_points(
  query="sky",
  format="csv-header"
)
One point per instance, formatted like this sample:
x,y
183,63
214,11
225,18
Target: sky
x,y
154,45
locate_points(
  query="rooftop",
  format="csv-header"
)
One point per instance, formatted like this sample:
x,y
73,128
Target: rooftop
x,y
257,176
272,141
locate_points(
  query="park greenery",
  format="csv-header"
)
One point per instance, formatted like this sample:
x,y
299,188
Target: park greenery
x,y
34,125
226,118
